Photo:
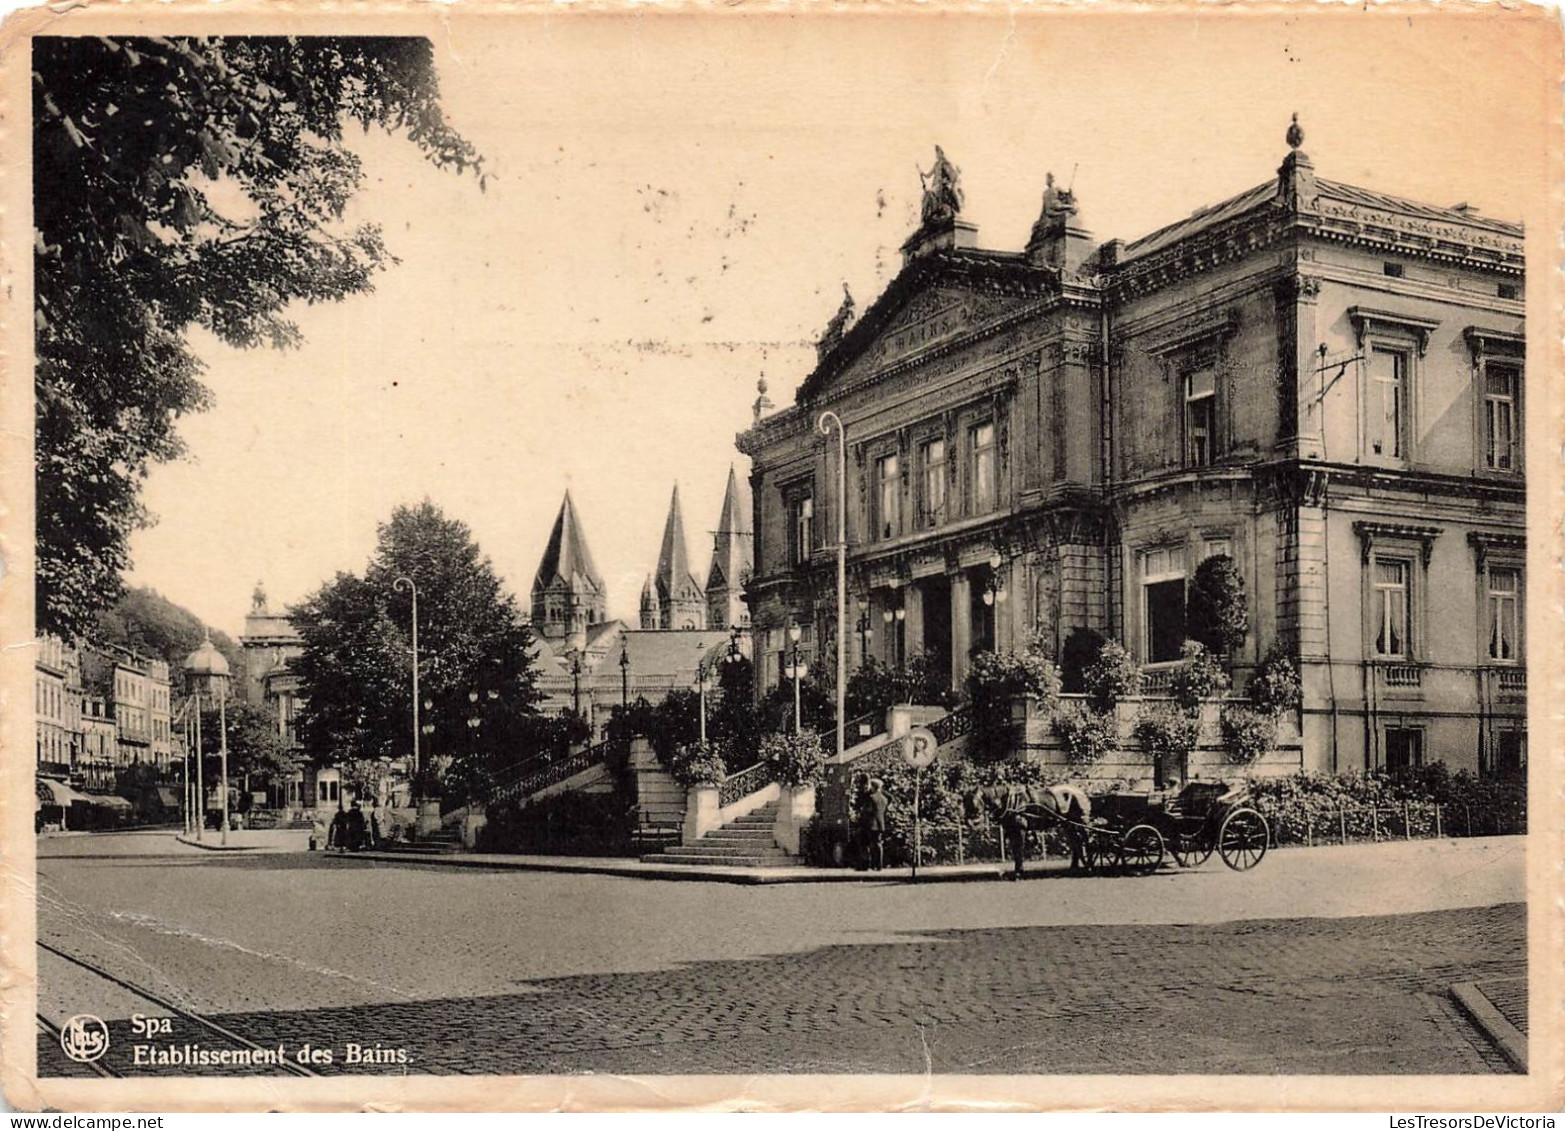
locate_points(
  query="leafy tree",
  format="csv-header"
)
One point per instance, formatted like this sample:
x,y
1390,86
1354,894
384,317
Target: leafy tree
x,y
874,687
1216,614
255,748
185,182
476,664
147,622
1082,646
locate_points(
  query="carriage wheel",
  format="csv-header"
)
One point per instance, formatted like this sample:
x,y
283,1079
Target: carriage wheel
x,y
1192,850
1242,839
1141,850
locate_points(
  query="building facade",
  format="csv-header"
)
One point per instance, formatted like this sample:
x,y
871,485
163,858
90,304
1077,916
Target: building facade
x,y
1322,382
57,694
134,691
270,643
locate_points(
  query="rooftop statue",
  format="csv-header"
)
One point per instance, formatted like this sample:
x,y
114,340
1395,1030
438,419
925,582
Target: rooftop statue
x,y
838,325
942,190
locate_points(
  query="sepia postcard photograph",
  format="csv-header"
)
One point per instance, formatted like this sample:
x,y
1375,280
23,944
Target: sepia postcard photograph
x,y
796,557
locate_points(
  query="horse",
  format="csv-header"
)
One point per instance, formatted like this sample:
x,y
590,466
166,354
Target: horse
x,y
1019,809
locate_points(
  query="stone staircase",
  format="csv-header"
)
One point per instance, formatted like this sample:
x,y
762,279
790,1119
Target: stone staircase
x,y
439,842
745,842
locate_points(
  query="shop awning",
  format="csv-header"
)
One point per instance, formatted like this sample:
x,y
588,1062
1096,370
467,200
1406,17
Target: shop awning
x,y
51,792
107,801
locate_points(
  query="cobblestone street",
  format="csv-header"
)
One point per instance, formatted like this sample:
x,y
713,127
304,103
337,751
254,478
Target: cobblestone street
x,y
534,972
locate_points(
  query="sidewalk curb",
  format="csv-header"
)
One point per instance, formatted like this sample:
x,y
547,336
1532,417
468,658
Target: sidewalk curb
x,y
685,872
1511,1041
210,847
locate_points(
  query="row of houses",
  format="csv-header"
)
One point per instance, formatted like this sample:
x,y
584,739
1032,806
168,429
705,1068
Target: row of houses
x,y
99,709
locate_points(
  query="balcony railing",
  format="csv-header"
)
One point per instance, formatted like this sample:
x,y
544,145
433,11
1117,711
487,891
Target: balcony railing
x,y
1402,675
954,725
1512,681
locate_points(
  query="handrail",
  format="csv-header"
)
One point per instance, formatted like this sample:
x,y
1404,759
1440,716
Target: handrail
x,y
525,784
746,781
953,725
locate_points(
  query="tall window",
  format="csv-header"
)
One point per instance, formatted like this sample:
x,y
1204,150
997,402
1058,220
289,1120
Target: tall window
x,y
1500,418
1504,614
1200,416
1385,410
888,471
1404,748
1163,604
932,496
984,468
1390,610
801,527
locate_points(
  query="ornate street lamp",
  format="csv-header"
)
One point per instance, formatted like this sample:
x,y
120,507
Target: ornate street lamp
x,y
864,631
624,677
824,425
702,671
795,670
576,682
402,584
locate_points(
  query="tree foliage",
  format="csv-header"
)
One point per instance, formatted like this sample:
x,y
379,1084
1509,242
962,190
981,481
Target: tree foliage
x,y
185,182
475,654
148,623
1216,613
255,748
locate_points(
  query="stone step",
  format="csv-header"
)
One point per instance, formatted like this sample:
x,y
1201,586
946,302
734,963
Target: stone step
x,y
745,848
729,832
781,861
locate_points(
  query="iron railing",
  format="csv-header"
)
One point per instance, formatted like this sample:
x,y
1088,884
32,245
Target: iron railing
x,y
954,725
529,781
742,784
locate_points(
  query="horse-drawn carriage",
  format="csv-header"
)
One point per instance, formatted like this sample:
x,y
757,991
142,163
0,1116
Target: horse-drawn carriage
x,y
1135,831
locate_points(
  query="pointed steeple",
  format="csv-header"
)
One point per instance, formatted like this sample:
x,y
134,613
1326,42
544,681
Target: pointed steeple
x,y
649,604
566,557
732,558
681,603
568,593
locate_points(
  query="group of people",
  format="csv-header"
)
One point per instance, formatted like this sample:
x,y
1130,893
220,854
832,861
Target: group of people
x,y
351,830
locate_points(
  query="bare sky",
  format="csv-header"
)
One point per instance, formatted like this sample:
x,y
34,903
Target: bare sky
x,y
677,201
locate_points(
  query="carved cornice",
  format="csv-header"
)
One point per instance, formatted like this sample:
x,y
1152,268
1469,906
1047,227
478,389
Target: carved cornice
x,y
1370,532
1489,544
1367,320
1498,343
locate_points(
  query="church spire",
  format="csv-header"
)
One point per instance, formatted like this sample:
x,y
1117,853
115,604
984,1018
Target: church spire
x,y
732,559
568,592
681,603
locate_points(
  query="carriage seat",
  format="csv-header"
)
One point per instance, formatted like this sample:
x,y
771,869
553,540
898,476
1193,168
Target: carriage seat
x,y
1198,798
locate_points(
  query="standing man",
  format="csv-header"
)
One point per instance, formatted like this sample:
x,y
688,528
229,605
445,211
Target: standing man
x,y
878,804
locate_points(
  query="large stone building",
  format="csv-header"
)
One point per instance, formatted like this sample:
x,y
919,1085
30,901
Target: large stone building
x,y
270,643
1324,382
57,696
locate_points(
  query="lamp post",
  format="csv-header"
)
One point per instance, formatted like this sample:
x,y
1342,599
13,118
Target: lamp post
x,y
994,594
399,585
824,424
200,776
576,683
222,745
796,671
701,676
624,677
863,627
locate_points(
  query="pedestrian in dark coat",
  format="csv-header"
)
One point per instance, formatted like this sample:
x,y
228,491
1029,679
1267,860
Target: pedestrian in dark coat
x,y
876,805
336,831
353,827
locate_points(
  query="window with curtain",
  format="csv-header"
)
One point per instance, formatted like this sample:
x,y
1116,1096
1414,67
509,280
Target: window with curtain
x,y
932,493
1163,604
1504,614
985,469
1200,416
887,495
1390,611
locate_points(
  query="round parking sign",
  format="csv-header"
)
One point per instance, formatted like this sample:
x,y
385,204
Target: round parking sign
x,y
919,747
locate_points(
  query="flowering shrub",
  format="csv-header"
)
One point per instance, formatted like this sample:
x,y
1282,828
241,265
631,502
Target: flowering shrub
x,y
1247,733
1087,735
1216,613
696,764
1079,653
795,759
1113,676
1198,677
1318,807
994,680
1275,686
1167,733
